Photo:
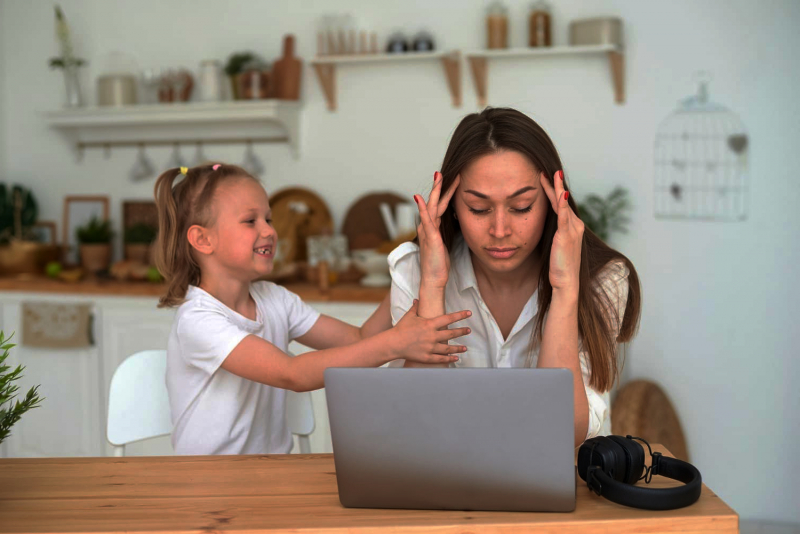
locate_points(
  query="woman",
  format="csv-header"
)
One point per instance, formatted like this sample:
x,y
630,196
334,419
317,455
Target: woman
x,y
505,241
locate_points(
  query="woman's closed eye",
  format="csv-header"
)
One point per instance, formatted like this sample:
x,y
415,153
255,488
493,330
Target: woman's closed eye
x,y
476,211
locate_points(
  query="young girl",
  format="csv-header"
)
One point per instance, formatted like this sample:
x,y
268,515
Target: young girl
x,y
227,367
545,291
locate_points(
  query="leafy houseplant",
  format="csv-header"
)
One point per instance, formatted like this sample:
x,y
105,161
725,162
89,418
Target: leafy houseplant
x,y
138,239
95,244
235,66
605,216
19,250
11,412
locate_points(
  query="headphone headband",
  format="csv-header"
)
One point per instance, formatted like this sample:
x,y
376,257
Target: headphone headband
x,y
610,465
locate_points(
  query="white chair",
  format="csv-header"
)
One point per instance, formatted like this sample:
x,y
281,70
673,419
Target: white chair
x,y
138,404
300,412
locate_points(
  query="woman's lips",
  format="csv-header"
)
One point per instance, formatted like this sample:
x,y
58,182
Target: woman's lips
x,y
501,253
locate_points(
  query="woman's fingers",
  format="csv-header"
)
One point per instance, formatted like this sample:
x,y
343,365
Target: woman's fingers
x,y
549,191
433,200
424,216
448,195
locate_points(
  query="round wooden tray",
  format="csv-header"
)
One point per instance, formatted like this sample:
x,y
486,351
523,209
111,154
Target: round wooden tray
x,y
296,226
363,224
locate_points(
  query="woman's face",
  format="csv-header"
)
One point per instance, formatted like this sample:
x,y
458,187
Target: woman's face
x,y
501,208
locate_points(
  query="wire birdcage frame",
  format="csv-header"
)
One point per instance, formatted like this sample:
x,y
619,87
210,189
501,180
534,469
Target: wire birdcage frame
x,y
701,168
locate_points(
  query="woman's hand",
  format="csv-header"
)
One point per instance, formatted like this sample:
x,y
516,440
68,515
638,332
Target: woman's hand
x,y
425,340
434,257
565,254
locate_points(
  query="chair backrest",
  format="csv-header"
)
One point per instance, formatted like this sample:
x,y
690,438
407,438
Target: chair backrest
x,y
138,404
300,411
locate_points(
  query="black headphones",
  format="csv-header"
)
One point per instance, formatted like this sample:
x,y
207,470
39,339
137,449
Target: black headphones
x,y
610,465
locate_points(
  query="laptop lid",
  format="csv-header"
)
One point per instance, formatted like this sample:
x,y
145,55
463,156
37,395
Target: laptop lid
x,y
457,439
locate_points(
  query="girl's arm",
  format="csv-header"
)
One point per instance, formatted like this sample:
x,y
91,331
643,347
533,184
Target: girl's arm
x,y
413,338
560,336
329,332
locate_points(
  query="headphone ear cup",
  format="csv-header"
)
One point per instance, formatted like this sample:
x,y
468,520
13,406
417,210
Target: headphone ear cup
x,y
620,464
634,456
602,452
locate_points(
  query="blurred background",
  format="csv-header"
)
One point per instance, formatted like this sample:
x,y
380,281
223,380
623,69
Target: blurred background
x,y
688,109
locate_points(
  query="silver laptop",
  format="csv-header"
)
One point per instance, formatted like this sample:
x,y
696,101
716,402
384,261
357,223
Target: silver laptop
x,y
453,439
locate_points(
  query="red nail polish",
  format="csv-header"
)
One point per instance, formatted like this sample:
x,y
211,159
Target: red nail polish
x,y
566,195
561,174
435,176
416,198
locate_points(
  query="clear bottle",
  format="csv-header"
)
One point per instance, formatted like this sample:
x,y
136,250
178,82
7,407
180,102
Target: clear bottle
x,y
497,25
540,24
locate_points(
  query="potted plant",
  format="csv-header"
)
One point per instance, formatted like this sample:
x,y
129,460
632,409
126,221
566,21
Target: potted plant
x,y
235,66
19,250
11,412
95,244
138,241
603,216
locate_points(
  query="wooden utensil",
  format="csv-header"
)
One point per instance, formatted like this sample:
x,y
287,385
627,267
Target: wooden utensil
x,y
286,72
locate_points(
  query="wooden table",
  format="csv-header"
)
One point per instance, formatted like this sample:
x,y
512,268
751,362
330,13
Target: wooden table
x,y
277,493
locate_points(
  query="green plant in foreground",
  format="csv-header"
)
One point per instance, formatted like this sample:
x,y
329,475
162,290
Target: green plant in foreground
x,y
10,411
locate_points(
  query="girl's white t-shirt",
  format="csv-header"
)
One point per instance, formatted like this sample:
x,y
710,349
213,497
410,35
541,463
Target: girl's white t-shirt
x,y
486,346
217,412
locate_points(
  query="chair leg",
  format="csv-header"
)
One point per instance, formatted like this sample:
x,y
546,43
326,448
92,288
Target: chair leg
x,y
119,450
305,444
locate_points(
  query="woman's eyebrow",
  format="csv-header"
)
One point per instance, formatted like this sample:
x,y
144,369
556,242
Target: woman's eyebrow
x,y
512,195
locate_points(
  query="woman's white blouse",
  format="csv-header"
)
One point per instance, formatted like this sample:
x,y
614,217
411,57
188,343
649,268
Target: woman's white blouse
x,y
485,344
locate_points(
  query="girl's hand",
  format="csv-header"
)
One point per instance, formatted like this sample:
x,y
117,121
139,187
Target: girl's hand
x,y
433,255
565,255
425,340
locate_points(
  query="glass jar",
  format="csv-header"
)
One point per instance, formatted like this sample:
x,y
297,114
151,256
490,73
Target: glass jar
x,y
539,24
497,25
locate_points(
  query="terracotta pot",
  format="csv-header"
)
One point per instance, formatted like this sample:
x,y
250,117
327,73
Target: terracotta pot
x,y
27,256
138,252
95,256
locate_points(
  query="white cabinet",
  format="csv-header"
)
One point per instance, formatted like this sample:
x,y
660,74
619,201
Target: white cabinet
x,y
72,418
69,420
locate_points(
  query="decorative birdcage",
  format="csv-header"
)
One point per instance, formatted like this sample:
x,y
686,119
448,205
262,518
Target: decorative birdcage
x,y
701,162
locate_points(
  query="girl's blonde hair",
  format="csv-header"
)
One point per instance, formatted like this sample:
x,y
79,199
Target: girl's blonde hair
x,y
179,207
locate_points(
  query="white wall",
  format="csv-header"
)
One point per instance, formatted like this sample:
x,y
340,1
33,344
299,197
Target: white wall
x,y
719,298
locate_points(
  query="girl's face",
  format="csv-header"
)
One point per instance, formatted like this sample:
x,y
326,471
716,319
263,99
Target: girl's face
x,y
243,236
501,208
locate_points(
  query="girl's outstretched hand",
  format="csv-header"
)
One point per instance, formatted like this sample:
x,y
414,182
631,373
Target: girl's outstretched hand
x,y
434,257
565,255
425,340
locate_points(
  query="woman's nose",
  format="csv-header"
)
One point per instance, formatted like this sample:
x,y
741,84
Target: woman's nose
x,y
499,226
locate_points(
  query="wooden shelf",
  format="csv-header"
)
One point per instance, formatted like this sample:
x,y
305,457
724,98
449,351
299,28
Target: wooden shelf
x,y
479,64
276,121
325,67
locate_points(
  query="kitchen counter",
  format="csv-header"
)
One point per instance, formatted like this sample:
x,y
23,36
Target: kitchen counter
x,y
109,287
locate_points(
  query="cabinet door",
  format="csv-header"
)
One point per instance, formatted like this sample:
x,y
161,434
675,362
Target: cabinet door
x,y
129,326
70,420
354,314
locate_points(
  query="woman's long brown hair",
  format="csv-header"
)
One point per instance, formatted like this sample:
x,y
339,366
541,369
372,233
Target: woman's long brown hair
x,y
180,206
497,129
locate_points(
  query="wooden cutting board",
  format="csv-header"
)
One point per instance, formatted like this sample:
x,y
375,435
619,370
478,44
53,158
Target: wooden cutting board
x,y
298,226
642,409
286,72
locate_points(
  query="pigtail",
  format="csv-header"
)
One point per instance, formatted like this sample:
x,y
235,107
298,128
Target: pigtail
x,y
172,255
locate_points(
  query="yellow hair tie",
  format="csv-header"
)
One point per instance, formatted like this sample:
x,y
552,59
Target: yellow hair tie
x,y
184,170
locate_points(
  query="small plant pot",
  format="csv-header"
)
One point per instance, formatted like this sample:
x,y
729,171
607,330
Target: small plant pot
x,y
138,252
19,257
95,257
